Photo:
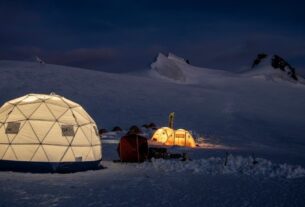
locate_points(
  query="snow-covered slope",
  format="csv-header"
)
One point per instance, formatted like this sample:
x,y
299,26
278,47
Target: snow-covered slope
x,y
235,109
176,69
240,112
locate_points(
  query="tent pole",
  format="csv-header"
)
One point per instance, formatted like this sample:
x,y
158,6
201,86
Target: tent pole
x,y
138,153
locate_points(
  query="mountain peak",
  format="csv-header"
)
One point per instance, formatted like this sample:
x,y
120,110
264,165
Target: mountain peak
x,y
278,64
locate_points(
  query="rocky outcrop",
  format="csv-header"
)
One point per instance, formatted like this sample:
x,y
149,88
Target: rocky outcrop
x,y
277,63
258,59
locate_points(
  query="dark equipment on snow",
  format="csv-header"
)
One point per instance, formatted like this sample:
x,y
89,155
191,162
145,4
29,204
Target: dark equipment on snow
x,y
133,148
152,126
102,131
161,153
116,129
134,130
145,126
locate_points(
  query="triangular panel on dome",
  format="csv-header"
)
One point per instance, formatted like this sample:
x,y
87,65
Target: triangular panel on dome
x,y
82,112
67,118
80,153
55,136
42,97
87,129
7,107
79,118
30,99
57,110
80,138
41,129
18,100
24,152
69,156
15,115
9,154
3,138
97,152
70,103
39,155
55,100
3,148
26,135
28,109
95,140
43,113
54,152
90,155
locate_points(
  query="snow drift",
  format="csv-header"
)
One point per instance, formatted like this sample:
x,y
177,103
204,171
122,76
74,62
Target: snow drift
x,y
236,165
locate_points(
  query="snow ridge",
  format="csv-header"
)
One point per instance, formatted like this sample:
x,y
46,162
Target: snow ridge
x,y
167,67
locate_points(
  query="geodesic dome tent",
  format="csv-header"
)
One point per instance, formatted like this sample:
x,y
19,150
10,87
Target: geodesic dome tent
x,y
169,136
47,133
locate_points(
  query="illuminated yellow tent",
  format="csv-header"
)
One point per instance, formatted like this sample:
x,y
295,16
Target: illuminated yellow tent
x,y
163,135
170,136
47,133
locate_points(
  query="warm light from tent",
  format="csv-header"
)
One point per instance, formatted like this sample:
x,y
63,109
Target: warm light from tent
x,y
171,137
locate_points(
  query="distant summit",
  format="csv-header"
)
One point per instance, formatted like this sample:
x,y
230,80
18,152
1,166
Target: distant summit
x,y
277,63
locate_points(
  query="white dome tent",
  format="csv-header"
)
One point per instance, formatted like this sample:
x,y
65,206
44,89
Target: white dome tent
x,y
47,133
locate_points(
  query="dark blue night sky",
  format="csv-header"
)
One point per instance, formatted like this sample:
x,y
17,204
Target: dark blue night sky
x,y
121,36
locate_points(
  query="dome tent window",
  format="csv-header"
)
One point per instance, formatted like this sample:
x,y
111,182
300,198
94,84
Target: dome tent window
x,y
47,133
67,130
12,128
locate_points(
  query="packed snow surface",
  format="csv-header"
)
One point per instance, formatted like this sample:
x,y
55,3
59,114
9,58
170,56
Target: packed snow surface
x,y
235,165
252,121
